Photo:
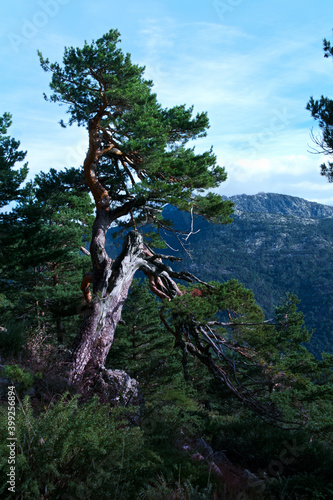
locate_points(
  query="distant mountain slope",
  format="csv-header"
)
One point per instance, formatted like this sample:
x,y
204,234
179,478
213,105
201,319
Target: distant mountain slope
x,y
276,244
281,204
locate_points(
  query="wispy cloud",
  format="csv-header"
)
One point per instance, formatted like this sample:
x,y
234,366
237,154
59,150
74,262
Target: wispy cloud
x,y
254,95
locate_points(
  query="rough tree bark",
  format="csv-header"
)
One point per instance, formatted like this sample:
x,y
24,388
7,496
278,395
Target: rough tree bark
x,y
112,282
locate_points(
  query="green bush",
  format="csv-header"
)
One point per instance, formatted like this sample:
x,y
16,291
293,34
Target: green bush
x,y
84,452
18,375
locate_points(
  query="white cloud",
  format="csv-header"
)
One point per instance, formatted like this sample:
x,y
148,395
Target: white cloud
x,y
296,175
263,168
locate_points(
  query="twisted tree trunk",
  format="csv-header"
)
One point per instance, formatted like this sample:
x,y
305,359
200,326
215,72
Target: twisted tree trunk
x,y
112,280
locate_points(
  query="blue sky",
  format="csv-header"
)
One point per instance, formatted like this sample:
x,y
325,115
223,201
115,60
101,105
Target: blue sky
x,y
252,65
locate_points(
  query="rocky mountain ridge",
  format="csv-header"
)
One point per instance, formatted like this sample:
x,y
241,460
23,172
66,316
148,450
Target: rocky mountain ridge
x,y
282,204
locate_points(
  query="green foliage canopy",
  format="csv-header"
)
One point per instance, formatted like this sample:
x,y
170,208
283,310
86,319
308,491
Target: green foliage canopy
x,y
137,147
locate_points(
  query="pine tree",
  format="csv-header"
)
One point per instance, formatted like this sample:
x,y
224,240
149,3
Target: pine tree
x,y
302,384
137,161
41,262
322,110
10,179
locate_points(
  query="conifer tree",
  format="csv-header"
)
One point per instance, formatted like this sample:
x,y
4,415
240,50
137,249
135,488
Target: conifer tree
x,y
302,385
137,162
322,111
11,178
41,262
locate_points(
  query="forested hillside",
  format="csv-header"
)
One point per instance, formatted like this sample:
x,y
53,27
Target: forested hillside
x,y
275,245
